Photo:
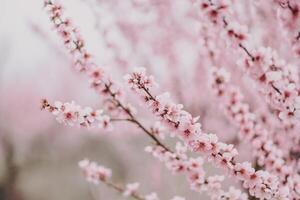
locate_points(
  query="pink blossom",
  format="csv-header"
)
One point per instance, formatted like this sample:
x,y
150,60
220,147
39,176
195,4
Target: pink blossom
x,y
140,80
93,172
72,114
243,170
131,189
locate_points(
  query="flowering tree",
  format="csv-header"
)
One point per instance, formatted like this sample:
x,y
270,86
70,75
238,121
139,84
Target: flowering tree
x,y
213,56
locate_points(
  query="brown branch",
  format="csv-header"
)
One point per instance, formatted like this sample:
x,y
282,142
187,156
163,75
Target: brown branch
x,y
135,121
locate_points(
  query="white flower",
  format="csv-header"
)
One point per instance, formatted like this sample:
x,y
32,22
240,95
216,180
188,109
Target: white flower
x,y
93,172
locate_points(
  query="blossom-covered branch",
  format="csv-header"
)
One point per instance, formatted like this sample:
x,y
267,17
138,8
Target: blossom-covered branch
x,y
276,79
288,15
100,81
261,184
72,114
180,163
266,151
96,174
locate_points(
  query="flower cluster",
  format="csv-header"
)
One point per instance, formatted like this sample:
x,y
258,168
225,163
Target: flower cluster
x,y
214,11
73,114
179,162
267,153
138,80
69,34
99,80
96,174
277,79
261,184
288,15
93,172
